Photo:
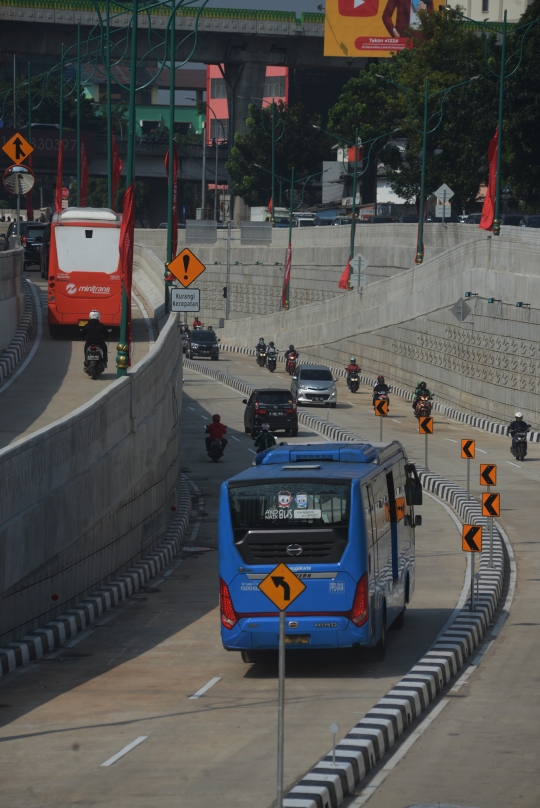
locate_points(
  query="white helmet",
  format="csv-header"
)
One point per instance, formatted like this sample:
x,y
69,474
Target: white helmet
x,y
519,415
94,315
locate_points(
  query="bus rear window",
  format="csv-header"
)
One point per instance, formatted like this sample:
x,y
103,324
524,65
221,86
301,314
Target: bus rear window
x,y
284,504
77,253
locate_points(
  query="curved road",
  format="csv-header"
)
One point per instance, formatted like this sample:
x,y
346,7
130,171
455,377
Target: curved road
x,y
53,383
133,676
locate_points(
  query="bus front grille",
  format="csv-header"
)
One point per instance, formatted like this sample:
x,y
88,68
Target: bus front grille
x,y
264,547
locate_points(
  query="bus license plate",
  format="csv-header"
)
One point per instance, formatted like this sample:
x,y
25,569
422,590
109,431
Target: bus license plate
x,y
297,639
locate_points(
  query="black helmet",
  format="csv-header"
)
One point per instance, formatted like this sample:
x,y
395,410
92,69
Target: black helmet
x,y
380,379
271,345
422,385
261,339
291,347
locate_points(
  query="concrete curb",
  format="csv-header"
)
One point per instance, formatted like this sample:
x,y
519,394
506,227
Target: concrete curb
x,y
53,634
450,412
12,355
357,754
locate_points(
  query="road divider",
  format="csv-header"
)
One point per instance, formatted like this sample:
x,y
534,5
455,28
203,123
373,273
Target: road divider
x,y
333,779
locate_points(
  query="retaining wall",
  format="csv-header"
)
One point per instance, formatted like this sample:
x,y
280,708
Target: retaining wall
x,y
11,294
319,256
478,356
86,497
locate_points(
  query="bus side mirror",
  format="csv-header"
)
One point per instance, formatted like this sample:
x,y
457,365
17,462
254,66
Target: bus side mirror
x,y
413,494
417,520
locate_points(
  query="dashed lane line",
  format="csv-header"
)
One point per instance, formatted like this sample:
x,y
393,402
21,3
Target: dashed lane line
x,y
206,687
236,439
125,750
514,464
79,638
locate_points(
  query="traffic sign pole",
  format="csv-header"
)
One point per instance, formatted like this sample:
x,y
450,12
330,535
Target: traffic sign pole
x,y
380,428
472,582
425,452
281,710
468,478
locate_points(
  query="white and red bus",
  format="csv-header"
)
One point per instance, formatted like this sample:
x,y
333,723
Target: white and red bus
x,y
83,269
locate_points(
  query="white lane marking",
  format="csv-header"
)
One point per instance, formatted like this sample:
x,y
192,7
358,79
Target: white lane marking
x,y
451,440
236,439
514,464
482,450
203,417
237,363
379,779
172,569
395,421
207,686
252,450
81,637
195,531
147,320
125,750
252,367
191,408
157,583
116,612
35,346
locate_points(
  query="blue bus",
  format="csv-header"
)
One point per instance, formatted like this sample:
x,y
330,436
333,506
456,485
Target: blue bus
x,y
341,516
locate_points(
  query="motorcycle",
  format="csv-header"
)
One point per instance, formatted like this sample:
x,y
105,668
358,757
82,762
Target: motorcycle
x,y
354,382
519,450
261,358
422,407
272,362
93,363
215,451
290,367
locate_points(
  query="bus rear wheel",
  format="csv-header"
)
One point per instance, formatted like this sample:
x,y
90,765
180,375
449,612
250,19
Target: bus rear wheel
x,y
55,330
378,652
251,657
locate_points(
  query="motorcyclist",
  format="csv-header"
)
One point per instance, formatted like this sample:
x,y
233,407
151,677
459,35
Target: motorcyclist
x,y
292,353
216,430
352,367
261,345
380,387
197,323
264,439
421,390
517,426
271,350
95,333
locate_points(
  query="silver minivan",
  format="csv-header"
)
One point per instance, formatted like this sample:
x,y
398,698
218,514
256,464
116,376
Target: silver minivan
x,y
314,384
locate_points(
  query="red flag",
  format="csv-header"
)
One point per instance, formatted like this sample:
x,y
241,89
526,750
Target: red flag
x,y
126,250
270,205
29,199
58,193
287,278
84,176
488,209
174,198
344,280
116,167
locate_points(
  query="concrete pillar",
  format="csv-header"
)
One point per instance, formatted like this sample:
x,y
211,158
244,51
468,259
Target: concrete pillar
x,y
245,86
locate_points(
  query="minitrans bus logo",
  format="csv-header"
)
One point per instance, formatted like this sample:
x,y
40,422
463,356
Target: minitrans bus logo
x,y
71,289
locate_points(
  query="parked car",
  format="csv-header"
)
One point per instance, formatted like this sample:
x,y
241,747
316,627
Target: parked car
x,y
202,342
511,219
314,384
411,218
531,220
270,406
31,234
473,218
342,220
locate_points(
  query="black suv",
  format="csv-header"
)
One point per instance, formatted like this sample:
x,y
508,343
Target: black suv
x,y
31,239
203,343
274,407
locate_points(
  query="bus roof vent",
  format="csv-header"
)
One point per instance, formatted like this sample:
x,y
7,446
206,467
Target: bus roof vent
x,y
88,215
324,452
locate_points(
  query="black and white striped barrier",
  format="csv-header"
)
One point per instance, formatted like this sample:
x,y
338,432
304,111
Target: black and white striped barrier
x,y
12,355
66,625
444,409
327,785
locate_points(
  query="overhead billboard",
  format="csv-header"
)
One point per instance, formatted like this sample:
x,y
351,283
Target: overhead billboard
x,y
370,27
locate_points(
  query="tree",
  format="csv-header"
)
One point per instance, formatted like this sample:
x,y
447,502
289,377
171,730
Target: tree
x,y
521,154
446,53
301,146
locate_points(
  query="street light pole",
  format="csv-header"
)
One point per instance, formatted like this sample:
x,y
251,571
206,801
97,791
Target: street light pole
x,y
110,200
172,162
273,162
353,217
497,218
420,240
288,259
203,188
78,138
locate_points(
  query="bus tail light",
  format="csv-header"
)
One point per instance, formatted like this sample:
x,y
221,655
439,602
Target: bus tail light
x,y
228,615
360,608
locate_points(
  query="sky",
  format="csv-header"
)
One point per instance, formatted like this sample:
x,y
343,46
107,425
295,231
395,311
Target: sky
x,y
274,5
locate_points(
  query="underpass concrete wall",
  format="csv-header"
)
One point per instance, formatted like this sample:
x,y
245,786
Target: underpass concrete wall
x,y
11,294
478,356
84,498
319,256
